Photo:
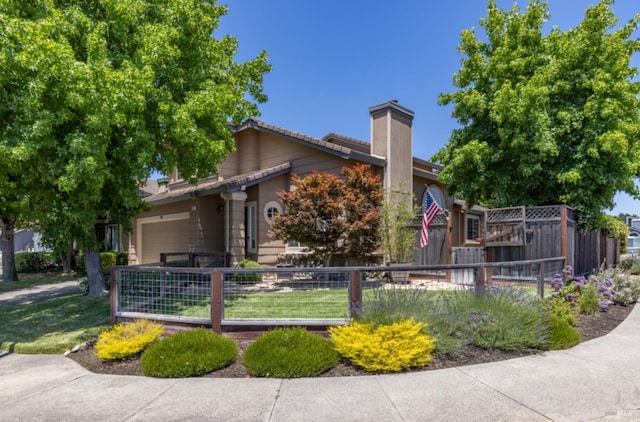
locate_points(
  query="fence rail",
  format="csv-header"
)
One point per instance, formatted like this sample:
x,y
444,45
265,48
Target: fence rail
x,y
230,298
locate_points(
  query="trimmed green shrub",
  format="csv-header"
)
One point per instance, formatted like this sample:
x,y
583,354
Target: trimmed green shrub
x,y
36,262
384,348
248,277
188,354
562,309
561,334
108,260
289,353
126,340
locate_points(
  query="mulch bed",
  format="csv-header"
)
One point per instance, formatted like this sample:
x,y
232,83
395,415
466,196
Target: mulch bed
x,y
589,326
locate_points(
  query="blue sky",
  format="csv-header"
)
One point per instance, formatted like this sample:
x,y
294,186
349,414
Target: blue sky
x,y
332,59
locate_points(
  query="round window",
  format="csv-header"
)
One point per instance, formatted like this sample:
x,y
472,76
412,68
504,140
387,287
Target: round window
x,y
272,209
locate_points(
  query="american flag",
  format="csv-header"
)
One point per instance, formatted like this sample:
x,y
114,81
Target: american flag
x,y
430,209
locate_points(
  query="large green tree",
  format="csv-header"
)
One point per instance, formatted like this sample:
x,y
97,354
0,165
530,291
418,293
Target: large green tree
x,y
96,95
545,118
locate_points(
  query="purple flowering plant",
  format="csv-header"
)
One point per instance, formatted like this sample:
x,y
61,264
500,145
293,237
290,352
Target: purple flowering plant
x,y
578,290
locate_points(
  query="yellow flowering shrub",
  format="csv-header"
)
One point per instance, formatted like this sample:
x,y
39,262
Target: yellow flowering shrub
x,y
388,348
125,340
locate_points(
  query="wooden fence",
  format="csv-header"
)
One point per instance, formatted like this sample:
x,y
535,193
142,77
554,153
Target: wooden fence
x,y
523,233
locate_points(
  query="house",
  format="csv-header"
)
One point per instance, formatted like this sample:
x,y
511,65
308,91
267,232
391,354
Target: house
x,y
633,241
231,211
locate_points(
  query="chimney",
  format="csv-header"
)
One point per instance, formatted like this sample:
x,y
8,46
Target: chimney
x,y
392,139
163,185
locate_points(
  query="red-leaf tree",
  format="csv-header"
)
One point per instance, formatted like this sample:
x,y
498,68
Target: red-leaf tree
x,y
337,218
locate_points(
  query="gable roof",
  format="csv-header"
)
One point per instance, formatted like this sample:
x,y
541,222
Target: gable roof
x,y
212,185
348,142
319,144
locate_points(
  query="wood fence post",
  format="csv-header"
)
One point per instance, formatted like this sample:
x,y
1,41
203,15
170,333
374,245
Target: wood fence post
x,y
564,237
355,292
114,290
217,291
541,281
478,279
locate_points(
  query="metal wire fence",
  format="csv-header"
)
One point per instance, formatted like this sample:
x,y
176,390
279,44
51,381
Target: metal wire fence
x,y
230,297
170,294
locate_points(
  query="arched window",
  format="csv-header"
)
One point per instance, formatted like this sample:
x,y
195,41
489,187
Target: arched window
x,y
437,195
272,209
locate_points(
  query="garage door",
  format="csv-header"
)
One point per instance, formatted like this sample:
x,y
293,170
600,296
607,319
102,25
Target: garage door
x,y
163,237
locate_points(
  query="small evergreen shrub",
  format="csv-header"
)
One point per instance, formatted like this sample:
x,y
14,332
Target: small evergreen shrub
x,y
627,263
188,354
126,340
627,290
36,262
289,353
562,309
248,277
384,348
108,260
561,334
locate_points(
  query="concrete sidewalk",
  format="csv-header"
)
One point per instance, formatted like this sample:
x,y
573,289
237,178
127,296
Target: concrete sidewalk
x,y
39,293
598,379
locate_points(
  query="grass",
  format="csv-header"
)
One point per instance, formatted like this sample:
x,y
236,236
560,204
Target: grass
x,y
54,325
303,304
31,280
307,304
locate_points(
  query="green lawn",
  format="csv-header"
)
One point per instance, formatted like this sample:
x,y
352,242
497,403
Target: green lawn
x,y
54,325
304,304
296,304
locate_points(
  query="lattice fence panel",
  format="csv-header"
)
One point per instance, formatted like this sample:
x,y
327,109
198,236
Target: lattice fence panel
x,y
543,213
504,214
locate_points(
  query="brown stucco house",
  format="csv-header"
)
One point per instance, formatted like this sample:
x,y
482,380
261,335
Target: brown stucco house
x,y
231,211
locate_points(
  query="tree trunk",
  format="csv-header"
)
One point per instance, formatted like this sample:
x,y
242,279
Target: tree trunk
x,y
67,258
9,272
93,266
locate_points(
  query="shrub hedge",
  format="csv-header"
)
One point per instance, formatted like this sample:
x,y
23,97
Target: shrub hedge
x,y
248,277
188,354
37,262
289,353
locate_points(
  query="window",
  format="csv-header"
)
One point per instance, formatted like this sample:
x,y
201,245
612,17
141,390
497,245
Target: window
x,y
435,192
108,235
473,228
271,210
251,231
294,244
